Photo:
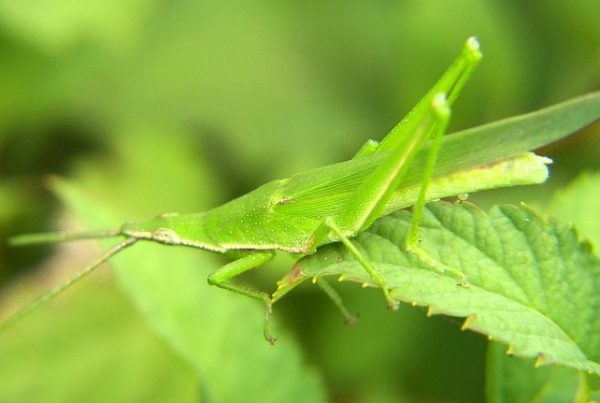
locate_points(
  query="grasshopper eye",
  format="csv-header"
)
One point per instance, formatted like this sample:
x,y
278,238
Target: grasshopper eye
x,y
166,236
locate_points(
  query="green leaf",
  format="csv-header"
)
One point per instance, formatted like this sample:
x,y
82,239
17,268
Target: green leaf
x,y
533,284
515,380
89,346
577,203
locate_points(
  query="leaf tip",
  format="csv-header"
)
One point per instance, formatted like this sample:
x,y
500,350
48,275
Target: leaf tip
x,y
468,322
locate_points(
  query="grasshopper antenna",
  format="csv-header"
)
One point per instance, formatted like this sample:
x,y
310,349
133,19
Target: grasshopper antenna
x,y
36,238
55,237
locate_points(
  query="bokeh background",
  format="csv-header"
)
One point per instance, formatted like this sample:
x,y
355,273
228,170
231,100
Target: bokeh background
x,y
154,106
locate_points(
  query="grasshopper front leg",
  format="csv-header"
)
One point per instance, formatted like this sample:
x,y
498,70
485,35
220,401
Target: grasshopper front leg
x,y
220,277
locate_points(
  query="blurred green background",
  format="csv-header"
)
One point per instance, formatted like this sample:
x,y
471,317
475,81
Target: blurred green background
x,y
153,106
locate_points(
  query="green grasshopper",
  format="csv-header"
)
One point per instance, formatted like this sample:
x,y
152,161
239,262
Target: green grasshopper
x,y
329,204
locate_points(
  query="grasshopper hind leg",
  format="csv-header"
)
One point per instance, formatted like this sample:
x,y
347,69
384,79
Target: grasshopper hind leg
x,y
427,120
412,240
373,195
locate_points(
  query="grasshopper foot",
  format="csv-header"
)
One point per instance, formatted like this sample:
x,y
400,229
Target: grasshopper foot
x,y
351,320
392,304
438,266
268,314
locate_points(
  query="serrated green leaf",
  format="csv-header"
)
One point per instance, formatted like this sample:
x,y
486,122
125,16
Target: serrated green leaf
x,y
532,283
515,380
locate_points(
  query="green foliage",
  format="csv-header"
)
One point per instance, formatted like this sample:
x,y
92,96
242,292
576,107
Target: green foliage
x,y
91,346
577,203
516,380
162,106
511,380
532,284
